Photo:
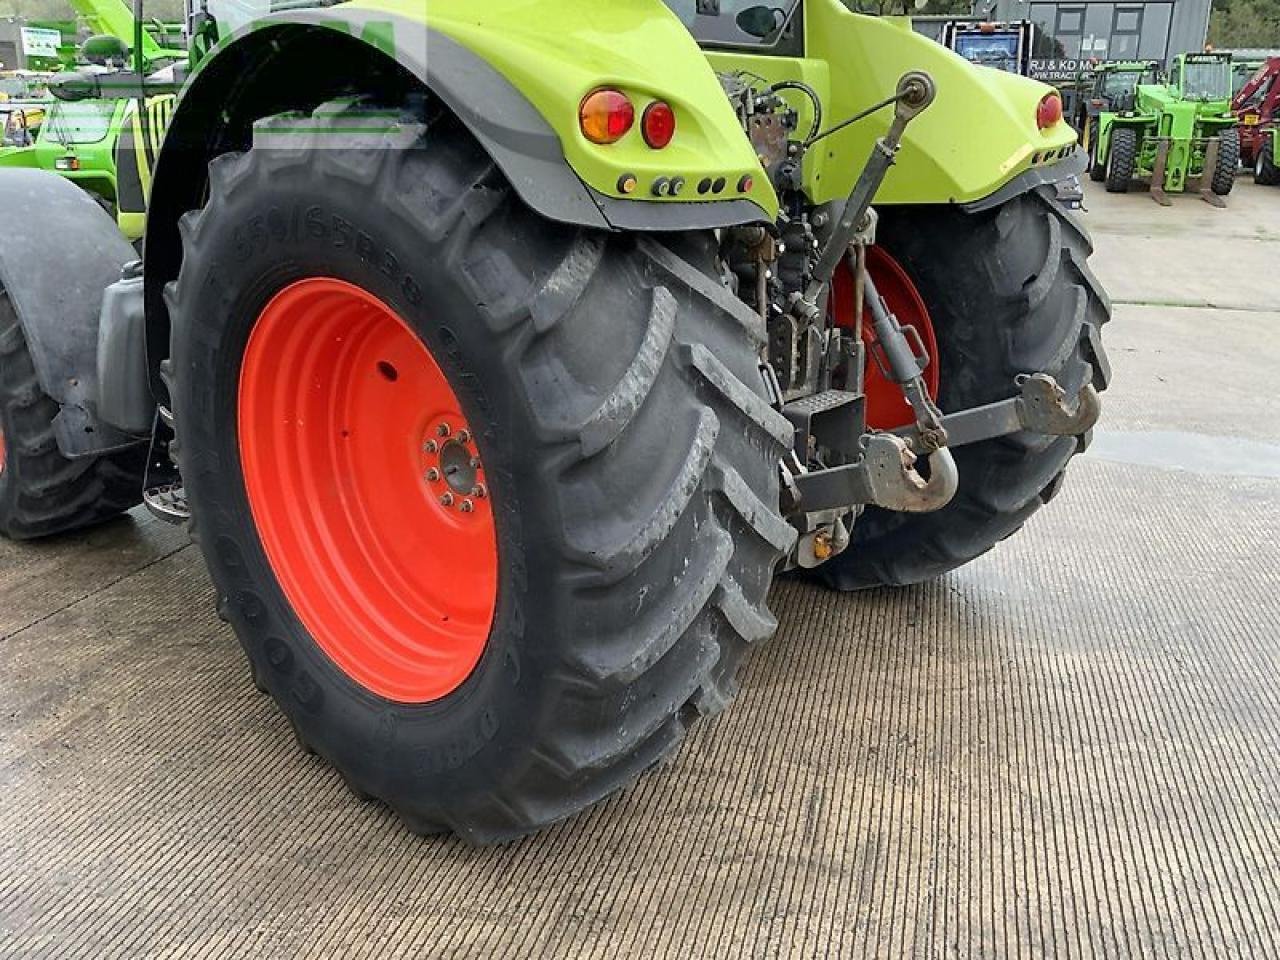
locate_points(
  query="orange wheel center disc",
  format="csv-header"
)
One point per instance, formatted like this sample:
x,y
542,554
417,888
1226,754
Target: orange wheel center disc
x,y
887,408
368,490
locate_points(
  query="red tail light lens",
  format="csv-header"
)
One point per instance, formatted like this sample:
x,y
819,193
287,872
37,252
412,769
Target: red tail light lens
x,y
606,116
1049,111
658,125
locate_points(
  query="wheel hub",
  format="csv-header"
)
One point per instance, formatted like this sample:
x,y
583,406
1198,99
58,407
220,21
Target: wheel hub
x,y
455,471
367,490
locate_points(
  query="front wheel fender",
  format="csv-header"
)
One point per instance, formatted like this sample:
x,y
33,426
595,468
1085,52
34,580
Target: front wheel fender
x,y
56,262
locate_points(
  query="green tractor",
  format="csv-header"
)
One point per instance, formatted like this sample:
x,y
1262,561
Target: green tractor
x,y
1112,91
106,144
1178,135
496,394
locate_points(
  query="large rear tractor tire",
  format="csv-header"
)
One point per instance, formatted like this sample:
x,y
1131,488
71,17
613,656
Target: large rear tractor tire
x,y
491,502
42,493
1224,174
1265,170
1122,157
1027,303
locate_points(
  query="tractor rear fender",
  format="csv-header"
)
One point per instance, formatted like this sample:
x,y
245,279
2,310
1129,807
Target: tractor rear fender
x,y
56,261
517,82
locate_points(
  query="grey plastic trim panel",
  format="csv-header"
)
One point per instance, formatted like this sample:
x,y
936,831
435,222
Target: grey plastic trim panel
x,y
1071,166
650,216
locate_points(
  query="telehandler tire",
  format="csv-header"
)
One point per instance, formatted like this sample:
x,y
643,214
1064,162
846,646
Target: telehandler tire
x,y
1122,157
1224,174
1097,169
491,502
42,493
1265,170
1027,303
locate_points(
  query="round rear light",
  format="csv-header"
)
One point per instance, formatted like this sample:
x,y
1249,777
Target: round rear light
x,y
1049,110
658,125
606,116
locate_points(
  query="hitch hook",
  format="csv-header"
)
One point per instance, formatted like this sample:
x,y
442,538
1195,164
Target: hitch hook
x,y
895,484
1044,408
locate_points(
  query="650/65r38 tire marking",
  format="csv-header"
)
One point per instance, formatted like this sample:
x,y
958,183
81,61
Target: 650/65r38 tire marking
x,y
368,490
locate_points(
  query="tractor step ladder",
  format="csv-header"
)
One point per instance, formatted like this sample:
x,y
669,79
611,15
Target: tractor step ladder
x,y
168,503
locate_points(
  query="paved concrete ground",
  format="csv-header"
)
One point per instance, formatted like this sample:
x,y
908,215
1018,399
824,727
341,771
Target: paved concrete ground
x,y
1069,749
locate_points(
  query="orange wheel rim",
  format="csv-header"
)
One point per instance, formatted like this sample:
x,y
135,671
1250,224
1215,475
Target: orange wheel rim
x,y
368,490
887,408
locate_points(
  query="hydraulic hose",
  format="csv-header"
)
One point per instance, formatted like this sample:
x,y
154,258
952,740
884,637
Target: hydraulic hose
x,y
809,92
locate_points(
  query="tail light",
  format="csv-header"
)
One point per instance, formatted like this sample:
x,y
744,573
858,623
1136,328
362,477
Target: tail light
x,y
606,116
658,125
67,163
1049,111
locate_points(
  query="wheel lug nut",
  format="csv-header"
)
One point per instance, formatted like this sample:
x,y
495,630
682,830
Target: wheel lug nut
x,y
480,491
447,500
464,436
468,506
433,475
431,446
475,463
444,430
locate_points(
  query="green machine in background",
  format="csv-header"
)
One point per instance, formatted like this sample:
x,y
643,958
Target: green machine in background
x,y
103,146
1180,135
1112,89
107,145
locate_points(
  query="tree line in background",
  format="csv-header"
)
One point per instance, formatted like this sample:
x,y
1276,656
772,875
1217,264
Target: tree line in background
x,y
1233,23
1245,23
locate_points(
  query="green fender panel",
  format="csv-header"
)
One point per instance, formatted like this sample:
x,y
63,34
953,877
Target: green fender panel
x,y
517,82
979,134
519,94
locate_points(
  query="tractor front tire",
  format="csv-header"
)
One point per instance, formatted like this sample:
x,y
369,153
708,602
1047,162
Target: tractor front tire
x,y
1097,169
42,493
1265,170
1028,304
491,655
1224,174
1122,157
